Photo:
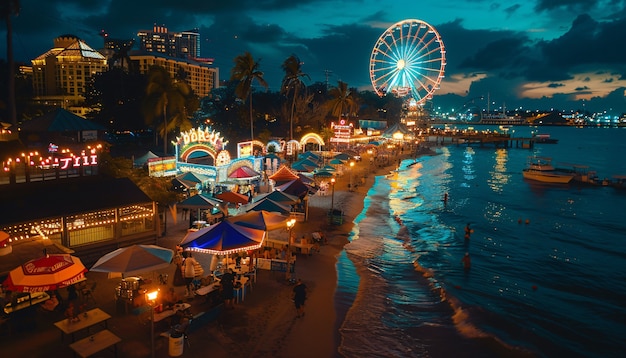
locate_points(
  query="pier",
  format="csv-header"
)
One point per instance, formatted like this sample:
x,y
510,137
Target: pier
x,y
479,139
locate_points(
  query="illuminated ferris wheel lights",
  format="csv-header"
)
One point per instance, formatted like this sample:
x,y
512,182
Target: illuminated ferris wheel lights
x,y
411,61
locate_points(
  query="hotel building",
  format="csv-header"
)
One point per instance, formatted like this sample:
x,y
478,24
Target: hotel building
x,y
61,74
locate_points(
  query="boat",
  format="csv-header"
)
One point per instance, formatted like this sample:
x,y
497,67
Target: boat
x,y
618,182
544,138
541,169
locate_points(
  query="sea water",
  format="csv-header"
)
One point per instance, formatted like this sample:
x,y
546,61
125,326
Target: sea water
x,y
548,274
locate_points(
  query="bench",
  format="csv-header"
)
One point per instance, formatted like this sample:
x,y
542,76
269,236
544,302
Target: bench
x,y
304,248
95,343
196,322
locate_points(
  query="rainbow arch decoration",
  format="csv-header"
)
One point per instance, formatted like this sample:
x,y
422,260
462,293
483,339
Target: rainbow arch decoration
x,y
201,139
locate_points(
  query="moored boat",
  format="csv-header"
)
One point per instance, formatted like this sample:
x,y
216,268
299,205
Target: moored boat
x,y
544,138
541,169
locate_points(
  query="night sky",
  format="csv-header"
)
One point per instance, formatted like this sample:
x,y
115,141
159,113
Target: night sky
x,y
537,54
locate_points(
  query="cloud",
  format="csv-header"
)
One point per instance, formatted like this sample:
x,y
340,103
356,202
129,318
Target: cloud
x,y
565,44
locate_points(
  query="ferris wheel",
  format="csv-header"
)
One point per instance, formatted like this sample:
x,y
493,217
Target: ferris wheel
x,y
408,60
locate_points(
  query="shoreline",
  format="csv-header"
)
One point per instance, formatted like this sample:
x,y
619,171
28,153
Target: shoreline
x,y
323,337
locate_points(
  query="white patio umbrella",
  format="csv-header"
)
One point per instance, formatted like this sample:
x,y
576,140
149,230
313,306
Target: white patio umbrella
x,y
135,259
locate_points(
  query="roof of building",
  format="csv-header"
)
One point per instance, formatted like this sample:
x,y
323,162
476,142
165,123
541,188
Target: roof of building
x,y
54,198
60,120
76,48
80,48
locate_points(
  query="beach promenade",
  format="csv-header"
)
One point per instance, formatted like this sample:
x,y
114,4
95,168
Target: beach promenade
x,y
263,325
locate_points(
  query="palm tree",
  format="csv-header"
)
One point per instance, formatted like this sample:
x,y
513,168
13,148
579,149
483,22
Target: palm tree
x,y
121,54
246,70
292,80
342,100
166,97
9,8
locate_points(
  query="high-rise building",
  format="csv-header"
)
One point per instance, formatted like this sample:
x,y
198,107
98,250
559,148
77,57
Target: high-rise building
x,y
200,76
60,75
185,44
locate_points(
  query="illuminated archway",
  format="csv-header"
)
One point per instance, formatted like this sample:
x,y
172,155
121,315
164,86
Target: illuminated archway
x,y
312,138
184,156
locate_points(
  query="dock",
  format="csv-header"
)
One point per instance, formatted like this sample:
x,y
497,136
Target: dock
x,y
479,139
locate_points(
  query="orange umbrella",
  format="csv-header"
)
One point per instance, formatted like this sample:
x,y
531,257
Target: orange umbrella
x,y
232,197
46,273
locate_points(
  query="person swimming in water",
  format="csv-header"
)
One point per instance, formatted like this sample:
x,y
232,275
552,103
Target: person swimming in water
x,y
468,231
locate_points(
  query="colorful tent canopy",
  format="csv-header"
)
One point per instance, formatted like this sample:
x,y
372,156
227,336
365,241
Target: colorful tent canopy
x,y
193,177
262,220
310,155
243,173
294,187
279,197
232,197
283,175
269,205
200,201
323,174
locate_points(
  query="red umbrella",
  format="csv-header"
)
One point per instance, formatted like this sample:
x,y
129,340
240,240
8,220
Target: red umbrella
x,y
5,243
46,273
4,239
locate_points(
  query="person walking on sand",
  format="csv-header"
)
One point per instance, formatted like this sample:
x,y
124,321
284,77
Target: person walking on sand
x,y
299,297
189,272
228,285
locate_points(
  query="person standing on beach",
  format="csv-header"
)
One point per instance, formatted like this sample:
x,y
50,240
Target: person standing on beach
x,y
299,296
228,285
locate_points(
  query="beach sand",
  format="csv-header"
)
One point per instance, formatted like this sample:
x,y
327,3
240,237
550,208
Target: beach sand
x,y
263,325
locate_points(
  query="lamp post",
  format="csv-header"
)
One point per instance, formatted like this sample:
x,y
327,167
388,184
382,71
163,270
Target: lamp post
x,y
151,297
290,224
351,169
332,196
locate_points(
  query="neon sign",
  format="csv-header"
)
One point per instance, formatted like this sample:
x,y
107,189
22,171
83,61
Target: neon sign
x,y
202,135
83,160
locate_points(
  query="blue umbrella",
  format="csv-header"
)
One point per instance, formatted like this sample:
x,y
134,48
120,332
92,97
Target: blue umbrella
x,y
223,238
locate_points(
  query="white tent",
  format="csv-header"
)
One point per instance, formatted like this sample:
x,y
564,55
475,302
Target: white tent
x,y
141,161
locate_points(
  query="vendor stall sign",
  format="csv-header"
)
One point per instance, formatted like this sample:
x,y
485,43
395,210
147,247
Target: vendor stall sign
x,y
162,167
